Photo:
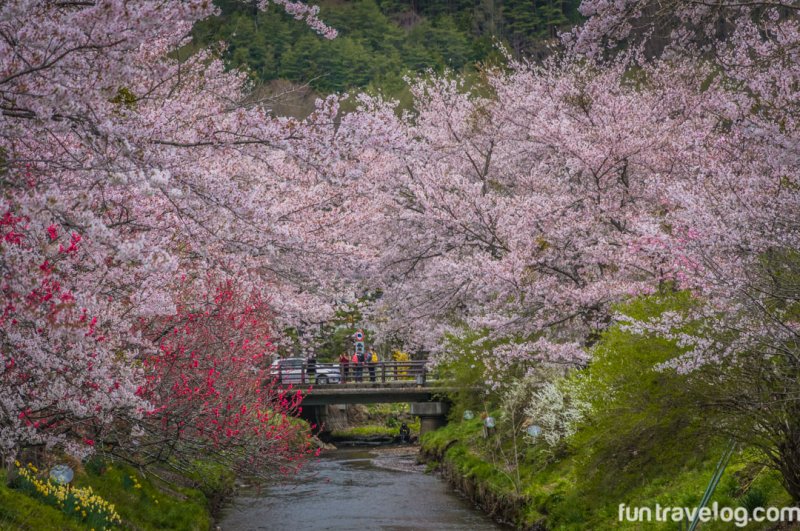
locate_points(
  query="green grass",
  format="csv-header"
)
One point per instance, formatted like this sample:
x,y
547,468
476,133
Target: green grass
x,y
215,481
142,501
151,505
390,427
20,511
646,439
370,430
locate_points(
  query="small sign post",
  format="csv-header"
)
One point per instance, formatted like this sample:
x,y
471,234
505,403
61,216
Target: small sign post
x,y
61,474
534,431
488,427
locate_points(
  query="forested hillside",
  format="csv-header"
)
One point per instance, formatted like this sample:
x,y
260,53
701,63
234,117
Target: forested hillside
x,y
380,41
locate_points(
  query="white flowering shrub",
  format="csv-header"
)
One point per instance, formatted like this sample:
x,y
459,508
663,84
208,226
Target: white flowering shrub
x,y
556,410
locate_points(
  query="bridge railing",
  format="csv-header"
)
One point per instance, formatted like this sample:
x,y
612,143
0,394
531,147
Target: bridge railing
x,y
340,373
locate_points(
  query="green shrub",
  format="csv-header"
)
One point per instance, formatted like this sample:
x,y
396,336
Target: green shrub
x,y
753,498
370,430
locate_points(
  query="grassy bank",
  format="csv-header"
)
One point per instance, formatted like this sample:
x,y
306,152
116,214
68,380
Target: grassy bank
x,y
568,491
369,430
143,502
374,420
373,429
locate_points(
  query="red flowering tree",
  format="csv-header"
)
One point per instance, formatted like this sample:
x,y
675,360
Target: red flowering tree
x,y
207,387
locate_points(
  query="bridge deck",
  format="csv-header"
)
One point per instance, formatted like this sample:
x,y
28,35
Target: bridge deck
x,y
374,393
360,383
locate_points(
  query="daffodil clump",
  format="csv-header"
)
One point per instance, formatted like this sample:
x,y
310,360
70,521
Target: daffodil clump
x,y
81,503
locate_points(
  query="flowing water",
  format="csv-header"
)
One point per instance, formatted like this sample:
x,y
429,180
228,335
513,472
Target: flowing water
x,y
354,489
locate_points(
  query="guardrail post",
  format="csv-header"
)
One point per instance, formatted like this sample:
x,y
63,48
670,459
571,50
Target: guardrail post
x,y
420,379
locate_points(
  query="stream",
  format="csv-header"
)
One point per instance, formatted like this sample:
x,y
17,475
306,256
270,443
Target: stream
x,y
353,489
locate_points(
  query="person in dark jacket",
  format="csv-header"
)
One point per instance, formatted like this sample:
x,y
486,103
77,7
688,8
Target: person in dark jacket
x,y
405,433
311,367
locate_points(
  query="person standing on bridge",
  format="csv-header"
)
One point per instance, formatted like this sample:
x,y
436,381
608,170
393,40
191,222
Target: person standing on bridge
x,y
372,360
358,367
362,361
344,361
311,368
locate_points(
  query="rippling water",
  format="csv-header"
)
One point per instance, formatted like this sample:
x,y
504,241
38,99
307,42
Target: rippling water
x,y
355,489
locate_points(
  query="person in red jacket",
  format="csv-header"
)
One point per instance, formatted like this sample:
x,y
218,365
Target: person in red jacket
x,y
358,367
344,361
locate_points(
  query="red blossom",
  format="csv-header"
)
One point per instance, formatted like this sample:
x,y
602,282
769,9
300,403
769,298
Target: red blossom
x,y
52,231
192,365
46,267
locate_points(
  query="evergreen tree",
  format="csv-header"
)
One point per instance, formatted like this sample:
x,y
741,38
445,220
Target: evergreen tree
x,y
380,40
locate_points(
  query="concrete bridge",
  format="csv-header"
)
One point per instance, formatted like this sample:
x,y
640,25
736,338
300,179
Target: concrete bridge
x,y
428,401
322,395
371,383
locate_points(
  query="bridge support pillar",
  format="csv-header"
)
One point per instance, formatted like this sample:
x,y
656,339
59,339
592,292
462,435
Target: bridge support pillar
x,y
317,415
432,415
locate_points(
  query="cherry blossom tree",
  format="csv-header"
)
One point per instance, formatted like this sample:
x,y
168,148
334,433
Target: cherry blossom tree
x,y
731,226
528,206
555,190
514,212
65,368
523,208
126,166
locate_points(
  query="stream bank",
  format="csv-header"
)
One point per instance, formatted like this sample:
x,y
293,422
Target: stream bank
x,y
502,506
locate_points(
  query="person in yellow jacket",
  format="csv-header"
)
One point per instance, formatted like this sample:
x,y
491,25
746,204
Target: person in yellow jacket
x,y
372,360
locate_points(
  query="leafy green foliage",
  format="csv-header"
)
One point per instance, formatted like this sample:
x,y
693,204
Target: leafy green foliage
x,y
214,480
754,498
529,23
642,418
466,371
562,493
370,430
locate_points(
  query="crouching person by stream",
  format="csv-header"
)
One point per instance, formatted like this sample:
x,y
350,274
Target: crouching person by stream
x,y
405,434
